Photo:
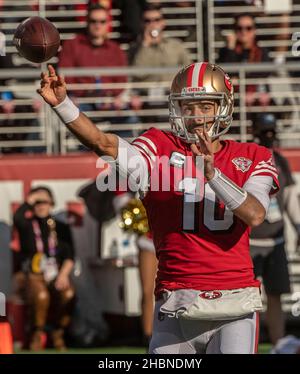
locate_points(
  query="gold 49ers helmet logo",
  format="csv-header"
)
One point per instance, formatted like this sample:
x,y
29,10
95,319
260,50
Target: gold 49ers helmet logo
x,y
241,163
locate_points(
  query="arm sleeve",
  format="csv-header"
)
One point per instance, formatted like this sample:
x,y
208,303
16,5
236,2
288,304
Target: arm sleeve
x,y
260,187
264,165
132,164
136,161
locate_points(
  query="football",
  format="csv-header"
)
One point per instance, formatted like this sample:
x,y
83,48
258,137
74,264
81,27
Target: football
x,y
37,39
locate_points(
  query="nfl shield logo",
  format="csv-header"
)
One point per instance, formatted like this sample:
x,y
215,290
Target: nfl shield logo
x,y
241,163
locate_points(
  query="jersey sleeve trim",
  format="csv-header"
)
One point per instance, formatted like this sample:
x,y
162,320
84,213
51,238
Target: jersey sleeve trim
x,y
136,172
266,167
264,172
150,143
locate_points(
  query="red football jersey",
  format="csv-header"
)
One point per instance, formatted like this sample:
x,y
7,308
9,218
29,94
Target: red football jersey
x,y
200,245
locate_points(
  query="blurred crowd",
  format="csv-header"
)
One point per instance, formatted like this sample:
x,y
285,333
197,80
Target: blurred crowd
x,y
144,39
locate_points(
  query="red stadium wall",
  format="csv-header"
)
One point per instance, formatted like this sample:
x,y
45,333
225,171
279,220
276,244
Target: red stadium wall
x,y
64,174
19,173
293,156
29,168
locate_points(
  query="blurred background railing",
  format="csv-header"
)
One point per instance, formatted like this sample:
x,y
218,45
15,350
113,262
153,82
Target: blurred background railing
x,y
274,29
202,26
43,131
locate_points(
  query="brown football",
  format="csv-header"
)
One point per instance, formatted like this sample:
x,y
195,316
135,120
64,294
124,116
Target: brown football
x,y
37,39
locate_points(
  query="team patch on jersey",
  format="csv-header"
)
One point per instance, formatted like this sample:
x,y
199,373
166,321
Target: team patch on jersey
x,y
241,163
177,159
211,295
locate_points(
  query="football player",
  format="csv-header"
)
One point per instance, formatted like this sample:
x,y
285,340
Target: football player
x,y
207,299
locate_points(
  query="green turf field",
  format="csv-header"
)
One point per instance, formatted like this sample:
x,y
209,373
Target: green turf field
x,y
263,349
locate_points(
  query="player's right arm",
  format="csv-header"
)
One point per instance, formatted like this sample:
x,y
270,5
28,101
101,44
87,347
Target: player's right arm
x,y
134,161
54,91
89,135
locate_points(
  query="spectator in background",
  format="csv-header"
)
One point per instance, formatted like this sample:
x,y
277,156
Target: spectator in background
x,y
242,47
84,7
154,50
131,18
267,242
46,256
94,49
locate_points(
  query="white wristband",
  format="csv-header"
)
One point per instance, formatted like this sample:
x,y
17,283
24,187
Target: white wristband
x,y
227,191
67,111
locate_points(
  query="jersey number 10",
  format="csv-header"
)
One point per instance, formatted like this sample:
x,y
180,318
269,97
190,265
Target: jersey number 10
x,y
214,217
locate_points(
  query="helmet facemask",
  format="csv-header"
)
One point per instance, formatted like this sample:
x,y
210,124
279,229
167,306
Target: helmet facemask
x,y
221,120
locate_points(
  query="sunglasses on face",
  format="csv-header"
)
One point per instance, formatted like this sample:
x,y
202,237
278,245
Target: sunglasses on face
x,y
39,202
96,21
151,20
246,28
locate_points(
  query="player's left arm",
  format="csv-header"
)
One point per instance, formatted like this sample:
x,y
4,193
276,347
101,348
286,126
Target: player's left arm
x,y
254,209
249,203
